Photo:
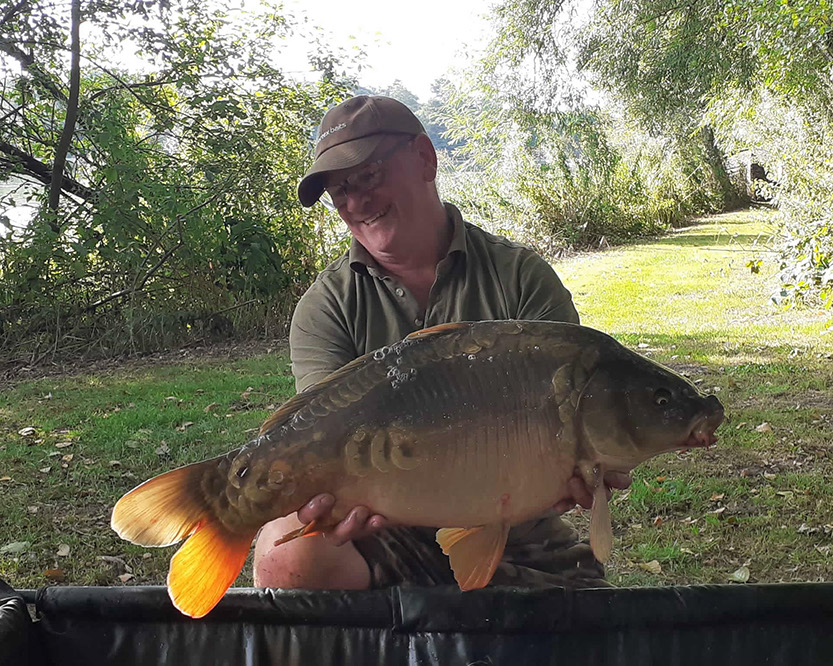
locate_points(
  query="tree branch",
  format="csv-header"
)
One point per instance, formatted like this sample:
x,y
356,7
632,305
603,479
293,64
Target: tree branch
x,y
28,63
71,114
43,173
9,15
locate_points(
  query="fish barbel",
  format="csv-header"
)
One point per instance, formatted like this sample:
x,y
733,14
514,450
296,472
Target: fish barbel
x,y
470,427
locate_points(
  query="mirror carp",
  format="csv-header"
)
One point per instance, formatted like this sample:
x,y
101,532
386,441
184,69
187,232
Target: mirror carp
x,y
470,427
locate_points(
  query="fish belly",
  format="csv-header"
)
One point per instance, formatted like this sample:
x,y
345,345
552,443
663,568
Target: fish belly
x,y
466,474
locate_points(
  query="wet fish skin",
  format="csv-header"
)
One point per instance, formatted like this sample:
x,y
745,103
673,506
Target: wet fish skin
x,y
472,427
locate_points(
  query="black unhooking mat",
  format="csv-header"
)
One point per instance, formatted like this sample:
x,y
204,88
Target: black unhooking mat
x,y
783,624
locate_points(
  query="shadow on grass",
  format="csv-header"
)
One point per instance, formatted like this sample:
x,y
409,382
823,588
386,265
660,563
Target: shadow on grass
x,y
721,240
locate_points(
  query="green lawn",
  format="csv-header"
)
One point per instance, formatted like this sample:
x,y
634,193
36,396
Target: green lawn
x,y
762,498
72,444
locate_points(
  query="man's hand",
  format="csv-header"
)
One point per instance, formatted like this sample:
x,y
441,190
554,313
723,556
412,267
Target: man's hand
x,y
580,494
359,523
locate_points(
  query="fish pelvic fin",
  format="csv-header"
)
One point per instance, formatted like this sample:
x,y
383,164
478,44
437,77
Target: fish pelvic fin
x,y
601,530
474,552
205,567
165,509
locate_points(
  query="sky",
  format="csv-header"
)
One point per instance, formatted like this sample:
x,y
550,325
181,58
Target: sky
x,y
415,46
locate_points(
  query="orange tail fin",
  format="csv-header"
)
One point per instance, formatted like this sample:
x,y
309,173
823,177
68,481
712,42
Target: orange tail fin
x,y
167,508
205,567
172,506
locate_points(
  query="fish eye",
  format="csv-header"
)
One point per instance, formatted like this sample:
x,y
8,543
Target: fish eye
x,y
662,397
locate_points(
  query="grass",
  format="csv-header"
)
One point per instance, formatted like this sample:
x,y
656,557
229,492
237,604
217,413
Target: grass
x,y
72,444
762,498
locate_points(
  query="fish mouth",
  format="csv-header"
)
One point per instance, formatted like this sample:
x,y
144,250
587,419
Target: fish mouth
x,y
702,433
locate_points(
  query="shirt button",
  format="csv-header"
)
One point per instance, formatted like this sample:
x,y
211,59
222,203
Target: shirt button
x,y
418,322
400,291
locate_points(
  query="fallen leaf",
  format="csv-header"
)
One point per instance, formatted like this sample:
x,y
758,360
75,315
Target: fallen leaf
x,y
740,425
786,494
146,556
185,425
125,577
661,478
33,509
15,547
653,566
63,445
56,575
114,463
28,431
163,450
717,512
657,521
211,407
769,476
171,397
741,575
63,550
68,457
717,496
118,564
764,427
687,551
5,478
45,470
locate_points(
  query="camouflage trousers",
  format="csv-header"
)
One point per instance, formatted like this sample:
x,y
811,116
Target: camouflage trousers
x,y
544,552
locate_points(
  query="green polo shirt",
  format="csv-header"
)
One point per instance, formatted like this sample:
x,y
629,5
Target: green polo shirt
x,y
352,308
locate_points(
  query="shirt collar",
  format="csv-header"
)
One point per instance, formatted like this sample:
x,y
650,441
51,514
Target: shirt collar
x,y
363,262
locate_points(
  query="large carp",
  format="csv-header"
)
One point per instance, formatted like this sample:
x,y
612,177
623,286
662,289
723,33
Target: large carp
x,y
471,427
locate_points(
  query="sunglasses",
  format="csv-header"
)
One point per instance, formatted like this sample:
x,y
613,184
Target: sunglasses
x,y
365,180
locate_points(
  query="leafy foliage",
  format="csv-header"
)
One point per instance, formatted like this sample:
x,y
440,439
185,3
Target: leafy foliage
x,y
758,72
697,73
179,217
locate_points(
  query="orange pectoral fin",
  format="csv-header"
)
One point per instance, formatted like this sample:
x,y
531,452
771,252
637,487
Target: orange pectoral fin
x,y
314,528
474,552
205,567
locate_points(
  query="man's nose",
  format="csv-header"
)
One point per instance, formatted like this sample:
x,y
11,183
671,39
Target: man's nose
x,y
355,202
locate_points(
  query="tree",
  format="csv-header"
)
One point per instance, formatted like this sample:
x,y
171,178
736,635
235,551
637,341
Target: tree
x,y
178,195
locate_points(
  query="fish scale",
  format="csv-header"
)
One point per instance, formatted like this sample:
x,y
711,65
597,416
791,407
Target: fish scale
x,y
468,427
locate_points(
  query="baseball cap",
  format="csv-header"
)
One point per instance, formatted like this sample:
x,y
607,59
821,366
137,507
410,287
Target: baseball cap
x,y
348,135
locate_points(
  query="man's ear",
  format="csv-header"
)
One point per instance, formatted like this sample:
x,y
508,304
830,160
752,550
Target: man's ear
x,y
427,155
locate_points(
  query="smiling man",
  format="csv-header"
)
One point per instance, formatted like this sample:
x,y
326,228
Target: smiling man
x,y
413,263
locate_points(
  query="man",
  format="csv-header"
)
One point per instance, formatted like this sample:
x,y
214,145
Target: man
x,y
413,263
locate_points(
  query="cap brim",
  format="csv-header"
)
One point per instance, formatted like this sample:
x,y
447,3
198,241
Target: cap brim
x,y
342,156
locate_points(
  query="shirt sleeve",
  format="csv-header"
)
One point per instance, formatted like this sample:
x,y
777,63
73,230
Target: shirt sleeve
x,y
542,294
319,340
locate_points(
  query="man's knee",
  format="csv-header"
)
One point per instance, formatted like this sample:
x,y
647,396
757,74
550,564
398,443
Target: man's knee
x,y
306,563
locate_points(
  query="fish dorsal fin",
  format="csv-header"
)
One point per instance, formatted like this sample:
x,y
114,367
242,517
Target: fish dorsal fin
x,y
437,330
474,552
601,530
302,399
